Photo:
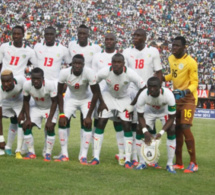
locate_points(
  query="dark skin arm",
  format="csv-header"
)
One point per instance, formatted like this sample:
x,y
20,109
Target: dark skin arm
x,y
167,125
2,144
62,121
88,121
159,74
102,105
142,122
27,124
49,126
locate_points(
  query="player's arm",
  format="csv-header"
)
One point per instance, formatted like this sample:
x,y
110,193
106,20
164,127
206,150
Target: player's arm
x,y
60,101
27,124
2,142
159,74
142,122
167,125
49,125
193,76
95,91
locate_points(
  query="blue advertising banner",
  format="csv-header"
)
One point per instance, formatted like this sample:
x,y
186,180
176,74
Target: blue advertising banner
x,y
204,113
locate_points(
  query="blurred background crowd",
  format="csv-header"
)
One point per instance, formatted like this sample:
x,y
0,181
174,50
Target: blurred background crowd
x,y
163,20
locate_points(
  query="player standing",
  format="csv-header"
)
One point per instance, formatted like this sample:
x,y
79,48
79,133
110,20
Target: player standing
x,y
44,94
87,50
145,61
15,56
78,78
118,78
51,55
184,75
101,60
157,103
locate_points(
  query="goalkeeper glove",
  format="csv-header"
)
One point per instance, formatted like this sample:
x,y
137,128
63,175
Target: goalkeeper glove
x,y
179,93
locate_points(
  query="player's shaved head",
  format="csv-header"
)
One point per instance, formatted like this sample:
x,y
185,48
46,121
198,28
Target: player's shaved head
x,y
118,55
141,31
37,70
153,81
19,27
50,28
78,56
110,35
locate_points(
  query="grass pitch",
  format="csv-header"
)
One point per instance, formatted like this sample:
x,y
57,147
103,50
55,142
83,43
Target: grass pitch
x,y
39,177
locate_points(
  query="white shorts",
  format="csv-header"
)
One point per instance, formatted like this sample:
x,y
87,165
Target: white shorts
x,y
11,109
37,116
151,119
116,107
71,105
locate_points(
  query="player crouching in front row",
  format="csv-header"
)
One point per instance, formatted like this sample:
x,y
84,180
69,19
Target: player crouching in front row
x,y
156,103
44,94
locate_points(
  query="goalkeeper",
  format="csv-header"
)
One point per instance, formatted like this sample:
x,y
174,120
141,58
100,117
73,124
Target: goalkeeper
x,y
184,75
157,103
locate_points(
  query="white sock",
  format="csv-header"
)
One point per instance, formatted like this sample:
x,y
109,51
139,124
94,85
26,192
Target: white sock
x,y
171,145
128,141
63,141
50,144
86,143
29,141
12,131
97,139
134,148
120,143
91,141
20,138
81,143
45,142
138,146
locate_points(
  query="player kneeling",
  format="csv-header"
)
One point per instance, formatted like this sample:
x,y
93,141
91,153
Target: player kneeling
x,y
156,103
44,94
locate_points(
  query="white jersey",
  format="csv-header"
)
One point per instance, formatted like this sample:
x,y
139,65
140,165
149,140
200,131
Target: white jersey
x,y
15,95
144,62
50,59
16,58
42,96
161,105
78,85
87,51
117,85
101,60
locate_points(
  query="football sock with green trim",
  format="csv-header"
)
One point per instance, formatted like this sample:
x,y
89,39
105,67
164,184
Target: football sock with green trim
x,y
29,140
20,138
134,148
50,143
138,146
86,143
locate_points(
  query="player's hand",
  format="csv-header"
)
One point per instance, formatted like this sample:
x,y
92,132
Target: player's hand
x,y
2,145
179,94
129,108
102,106
158,136
49,126
27,124
148,138
87,122
21,118
63,121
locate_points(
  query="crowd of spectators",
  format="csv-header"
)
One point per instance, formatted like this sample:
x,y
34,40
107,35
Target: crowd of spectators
x,y
163,20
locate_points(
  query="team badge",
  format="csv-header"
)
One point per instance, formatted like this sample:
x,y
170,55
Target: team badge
x,y
91,53
151,153
23,56
181,66
149,55
58,55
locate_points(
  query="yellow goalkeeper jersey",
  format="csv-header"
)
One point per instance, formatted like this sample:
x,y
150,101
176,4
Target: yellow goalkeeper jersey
x,y
184,74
